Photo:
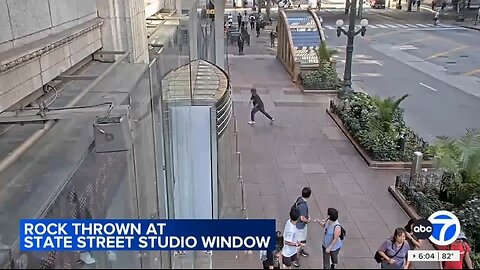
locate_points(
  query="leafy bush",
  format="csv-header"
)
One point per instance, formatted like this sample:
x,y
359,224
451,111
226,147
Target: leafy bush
x,y
325,78
424,195
325,54
378,126
459,159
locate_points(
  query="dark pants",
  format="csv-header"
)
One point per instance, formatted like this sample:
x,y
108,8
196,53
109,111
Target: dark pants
x,y
252,25
272,42
259,109
330,258
240,49
258,32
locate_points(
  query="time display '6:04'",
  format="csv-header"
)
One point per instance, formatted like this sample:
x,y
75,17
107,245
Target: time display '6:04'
x,y
433,255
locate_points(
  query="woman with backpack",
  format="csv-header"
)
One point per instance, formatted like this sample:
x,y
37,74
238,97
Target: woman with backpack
x,y
333,239
394,251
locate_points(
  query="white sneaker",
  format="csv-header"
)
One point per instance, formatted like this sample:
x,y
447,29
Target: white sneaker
x,y
273,119
251,122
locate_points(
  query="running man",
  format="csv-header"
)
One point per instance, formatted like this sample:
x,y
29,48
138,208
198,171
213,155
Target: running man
x,y
257,106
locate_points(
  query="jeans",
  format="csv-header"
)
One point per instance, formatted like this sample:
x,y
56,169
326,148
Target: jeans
x,y
259,109
240,49
330,258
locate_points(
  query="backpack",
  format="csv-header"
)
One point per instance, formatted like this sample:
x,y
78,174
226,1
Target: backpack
x,y
297,203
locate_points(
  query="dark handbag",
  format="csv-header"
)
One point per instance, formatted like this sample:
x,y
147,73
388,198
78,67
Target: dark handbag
x,y
378,258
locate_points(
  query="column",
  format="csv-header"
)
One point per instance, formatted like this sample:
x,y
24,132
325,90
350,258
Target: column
x,y
124,27
219,33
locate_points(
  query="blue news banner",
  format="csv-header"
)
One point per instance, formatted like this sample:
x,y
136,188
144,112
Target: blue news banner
x,y
124,234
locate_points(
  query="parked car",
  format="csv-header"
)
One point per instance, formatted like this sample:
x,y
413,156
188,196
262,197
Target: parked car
x,y
377,3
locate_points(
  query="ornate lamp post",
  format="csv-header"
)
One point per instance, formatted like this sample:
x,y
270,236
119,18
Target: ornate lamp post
x,y
351,34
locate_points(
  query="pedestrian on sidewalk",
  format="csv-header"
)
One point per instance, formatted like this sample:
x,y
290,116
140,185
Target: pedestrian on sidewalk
x,y
239,19
302,224
433,4
234,4
271,259
418,5
333,239
258,27
477,18
252,22
291,242
461,245
394,251
436,18
272,38
444,5
241,44
257,107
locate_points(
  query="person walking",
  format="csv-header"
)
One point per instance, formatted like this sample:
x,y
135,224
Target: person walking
x,y
241,43
271,259
436,17
461,245
252,22
302,224
333,239
239,19
477,18
258,27
433,4
291,242
257,107
394,251
418,5
272,38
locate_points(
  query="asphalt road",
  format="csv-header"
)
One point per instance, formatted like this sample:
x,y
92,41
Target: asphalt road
x,y
439,67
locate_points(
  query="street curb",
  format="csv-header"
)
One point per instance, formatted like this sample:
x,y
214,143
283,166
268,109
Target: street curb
x,y
380,165
470,27
398,196
409,210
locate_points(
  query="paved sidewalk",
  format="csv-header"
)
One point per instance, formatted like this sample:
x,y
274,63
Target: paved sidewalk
x,y
303,147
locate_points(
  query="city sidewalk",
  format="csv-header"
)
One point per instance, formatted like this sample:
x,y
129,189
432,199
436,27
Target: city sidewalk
x,y
303,147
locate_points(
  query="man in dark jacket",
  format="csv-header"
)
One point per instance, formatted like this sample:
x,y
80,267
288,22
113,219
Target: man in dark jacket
x,y
241,43
257,107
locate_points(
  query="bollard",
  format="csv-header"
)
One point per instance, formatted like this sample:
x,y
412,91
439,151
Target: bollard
x,y
416,166
239,165
236,144
242,185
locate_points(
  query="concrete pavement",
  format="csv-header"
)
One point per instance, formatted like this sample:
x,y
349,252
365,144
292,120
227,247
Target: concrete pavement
x,y
437,65
303,147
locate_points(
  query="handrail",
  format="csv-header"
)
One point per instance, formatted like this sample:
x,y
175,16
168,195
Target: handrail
x,y
290,62
319,25
289,33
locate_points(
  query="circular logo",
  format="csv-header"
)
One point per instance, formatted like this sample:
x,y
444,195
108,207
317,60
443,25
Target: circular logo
x,y
446,228
422,228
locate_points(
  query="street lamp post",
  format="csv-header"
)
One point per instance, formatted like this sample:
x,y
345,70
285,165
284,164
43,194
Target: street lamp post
x,y
351,34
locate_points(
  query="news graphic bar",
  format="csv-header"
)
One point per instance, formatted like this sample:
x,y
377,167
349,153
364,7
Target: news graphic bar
x,y
118,234
434,255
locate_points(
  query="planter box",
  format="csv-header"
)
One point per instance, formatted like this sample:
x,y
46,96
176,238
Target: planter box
x,y
317,91
370,162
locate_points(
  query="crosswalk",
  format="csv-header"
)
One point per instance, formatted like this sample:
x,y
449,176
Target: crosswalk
x,y
399,26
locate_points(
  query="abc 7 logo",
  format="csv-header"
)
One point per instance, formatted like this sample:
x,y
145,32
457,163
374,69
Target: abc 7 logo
x,y
422,228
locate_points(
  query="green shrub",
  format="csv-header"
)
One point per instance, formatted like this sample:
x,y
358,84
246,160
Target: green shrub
x,y
325,78
459,159
424,196
378,126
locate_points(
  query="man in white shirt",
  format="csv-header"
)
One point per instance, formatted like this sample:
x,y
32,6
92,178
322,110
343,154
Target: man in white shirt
x,y
291,238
